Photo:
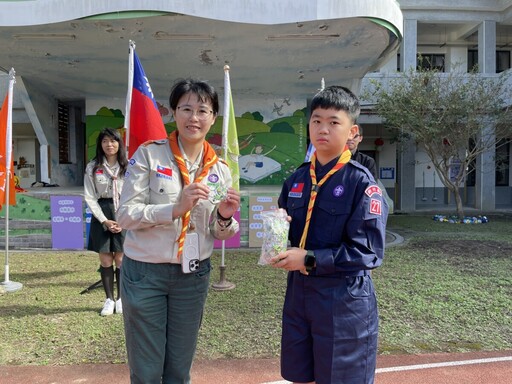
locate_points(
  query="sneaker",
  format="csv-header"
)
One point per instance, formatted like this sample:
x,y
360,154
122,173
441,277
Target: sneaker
x,y
108,307
119,306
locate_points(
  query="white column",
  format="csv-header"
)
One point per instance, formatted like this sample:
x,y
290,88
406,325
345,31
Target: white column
x,y
485,181
407,151
487,47
408,49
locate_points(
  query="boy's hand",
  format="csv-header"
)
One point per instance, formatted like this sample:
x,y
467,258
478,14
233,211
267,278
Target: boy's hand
x,y
291,260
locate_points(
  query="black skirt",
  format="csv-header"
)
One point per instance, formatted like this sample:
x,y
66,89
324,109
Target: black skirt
x,y
101,240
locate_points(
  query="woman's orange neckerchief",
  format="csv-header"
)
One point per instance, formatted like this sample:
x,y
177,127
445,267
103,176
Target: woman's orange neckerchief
x,y
209,159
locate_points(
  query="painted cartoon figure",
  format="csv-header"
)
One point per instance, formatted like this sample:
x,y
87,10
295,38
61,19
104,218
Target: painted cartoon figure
x,y
258,156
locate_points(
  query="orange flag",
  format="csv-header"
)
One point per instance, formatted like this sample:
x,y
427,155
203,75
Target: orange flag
x,y
5,127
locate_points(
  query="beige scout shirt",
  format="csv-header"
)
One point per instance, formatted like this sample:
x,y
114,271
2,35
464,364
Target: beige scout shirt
x,y
98,186
153,185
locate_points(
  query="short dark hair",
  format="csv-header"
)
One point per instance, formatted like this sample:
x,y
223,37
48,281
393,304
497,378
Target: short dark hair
x,y
339,98
360,129
204,91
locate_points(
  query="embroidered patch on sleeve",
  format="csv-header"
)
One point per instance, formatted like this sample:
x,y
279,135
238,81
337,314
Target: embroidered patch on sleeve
x,y
375,206
372,189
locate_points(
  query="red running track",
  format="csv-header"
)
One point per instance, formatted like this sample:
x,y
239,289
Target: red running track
x,y
460,368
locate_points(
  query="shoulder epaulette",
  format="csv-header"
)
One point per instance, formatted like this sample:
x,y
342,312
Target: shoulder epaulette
x,y
161,141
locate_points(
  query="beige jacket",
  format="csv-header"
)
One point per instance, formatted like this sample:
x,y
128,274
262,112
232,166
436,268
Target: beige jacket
x,y
152,186
98,186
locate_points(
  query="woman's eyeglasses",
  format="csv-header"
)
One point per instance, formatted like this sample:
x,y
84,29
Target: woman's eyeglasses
x,y
201,113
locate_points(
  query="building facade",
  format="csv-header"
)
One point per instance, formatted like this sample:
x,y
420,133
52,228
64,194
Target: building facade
x,y
446,36
301,45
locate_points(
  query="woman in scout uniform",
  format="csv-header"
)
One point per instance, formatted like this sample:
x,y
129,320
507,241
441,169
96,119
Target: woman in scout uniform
x,y
176,200
103,182
337,235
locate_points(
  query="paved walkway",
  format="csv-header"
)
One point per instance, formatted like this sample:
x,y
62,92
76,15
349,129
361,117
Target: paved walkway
x,y
461,368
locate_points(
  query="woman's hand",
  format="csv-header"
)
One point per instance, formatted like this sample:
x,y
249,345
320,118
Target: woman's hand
x,y
190,195
230,204
112,226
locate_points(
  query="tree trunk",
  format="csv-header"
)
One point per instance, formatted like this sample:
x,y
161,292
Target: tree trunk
x,y
458,202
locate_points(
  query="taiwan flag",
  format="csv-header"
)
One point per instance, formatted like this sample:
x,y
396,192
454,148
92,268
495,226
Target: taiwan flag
x,y
164,170
296,190
143,121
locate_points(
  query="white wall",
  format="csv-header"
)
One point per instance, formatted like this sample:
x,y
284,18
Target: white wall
x,y
457,59
387,159
424,165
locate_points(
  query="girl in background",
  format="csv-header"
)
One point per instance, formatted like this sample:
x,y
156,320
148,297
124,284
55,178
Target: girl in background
x,y
103,182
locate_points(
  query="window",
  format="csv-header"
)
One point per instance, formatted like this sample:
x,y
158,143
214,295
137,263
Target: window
x,y
472,60
428,61
502,165
63,121
502,60
502,162
471,170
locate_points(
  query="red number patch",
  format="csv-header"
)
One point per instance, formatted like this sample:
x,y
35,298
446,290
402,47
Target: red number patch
x,y
375,206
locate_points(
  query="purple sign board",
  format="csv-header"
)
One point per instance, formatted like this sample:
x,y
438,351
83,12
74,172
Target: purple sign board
x,y
67,222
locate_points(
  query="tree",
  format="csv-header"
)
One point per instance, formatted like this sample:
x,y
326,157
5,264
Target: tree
x,y
454,117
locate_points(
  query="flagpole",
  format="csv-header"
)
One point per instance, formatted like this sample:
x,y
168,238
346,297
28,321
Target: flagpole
x,y
223,284
131,50
10,286
311,147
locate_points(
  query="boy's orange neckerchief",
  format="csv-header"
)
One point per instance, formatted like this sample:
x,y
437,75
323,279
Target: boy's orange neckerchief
x,y
343,159
209,159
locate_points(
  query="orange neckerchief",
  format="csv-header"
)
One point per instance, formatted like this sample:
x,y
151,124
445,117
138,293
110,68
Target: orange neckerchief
x,y
209,159
343,159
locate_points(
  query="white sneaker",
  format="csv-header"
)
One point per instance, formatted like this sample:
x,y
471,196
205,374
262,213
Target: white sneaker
x,y
119,306
108,307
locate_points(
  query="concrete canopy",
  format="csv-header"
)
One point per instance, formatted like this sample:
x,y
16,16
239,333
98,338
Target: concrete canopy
x,y
79,50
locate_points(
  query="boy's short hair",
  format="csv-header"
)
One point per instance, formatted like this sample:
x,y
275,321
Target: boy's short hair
x,y
339,98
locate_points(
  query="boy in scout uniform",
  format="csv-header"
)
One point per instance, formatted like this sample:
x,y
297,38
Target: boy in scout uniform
x,y
337,235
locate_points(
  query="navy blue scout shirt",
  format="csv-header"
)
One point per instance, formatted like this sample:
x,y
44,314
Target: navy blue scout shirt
x,y
348,224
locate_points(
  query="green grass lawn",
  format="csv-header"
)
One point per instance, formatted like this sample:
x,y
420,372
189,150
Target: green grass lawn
x,y
447,288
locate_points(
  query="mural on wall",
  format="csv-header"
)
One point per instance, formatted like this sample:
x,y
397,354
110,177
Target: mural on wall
x,y
269,151
104,117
